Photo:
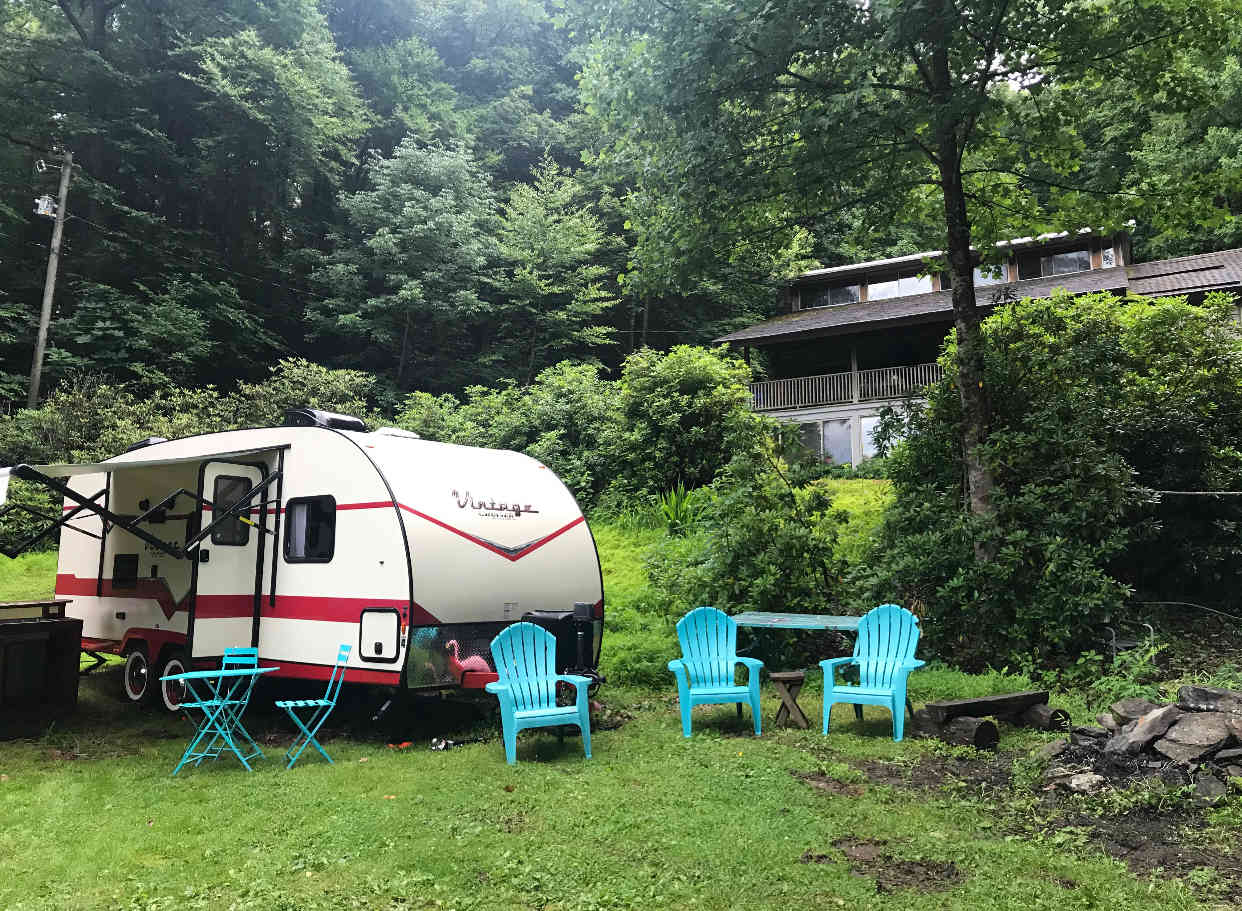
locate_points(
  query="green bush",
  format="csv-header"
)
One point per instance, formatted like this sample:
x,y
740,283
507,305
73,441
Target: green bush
x,y
1095,401
684,415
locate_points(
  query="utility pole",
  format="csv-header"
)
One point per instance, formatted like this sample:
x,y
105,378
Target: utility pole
x,y
49,283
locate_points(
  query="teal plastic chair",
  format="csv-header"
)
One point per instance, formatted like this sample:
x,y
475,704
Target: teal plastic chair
x,y
320,710
525,659
705,670
884,655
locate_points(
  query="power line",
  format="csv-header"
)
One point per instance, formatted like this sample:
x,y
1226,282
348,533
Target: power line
x,y
198,262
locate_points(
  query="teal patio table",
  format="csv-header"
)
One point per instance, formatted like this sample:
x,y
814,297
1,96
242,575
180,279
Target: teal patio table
x,y
221,695
788,683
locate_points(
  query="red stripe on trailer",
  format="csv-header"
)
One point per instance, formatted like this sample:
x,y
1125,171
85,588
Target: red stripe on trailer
x,y
340,610
220,607
145,589
303,671
223,607
512,556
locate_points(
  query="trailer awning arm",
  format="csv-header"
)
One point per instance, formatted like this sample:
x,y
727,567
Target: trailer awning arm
x,y
48,476
125,462
53,524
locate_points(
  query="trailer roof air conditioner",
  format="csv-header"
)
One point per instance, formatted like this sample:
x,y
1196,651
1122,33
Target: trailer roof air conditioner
x,y
313,417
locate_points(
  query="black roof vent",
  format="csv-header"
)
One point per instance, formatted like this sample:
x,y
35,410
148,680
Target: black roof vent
x,y
149,441
313,417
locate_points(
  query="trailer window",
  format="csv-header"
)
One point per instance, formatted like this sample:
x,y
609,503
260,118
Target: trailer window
x,y
226,491
310,530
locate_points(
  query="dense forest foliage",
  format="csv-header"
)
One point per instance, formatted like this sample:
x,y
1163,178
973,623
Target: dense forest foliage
x,y
468,191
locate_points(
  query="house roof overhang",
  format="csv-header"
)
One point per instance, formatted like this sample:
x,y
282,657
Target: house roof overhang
x,y
1186,275
934,306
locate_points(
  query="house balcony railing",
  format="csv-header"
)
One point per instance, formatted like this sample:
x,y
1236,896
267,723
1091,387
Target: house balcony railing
x,y
844,388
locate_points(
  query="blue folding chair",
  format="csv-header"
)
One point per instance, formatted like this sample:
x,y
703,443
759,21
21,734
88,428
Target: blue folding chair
x,y
322,708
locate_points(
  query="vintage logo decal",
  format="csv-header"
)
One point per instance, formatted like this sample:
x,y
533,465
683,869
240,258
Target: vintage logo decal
x,y
491,508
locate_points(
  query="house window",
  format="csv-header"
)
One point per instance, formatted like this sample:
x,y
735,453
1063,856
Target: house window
x,y
869,424
225,492
1064,263
310,530
830,296
810,436
1034,264
989,275
838,442
899,287
983,275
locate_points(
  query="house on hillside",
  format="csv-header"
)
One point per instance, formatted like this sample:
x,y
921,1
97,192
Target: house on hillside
x,y
860,337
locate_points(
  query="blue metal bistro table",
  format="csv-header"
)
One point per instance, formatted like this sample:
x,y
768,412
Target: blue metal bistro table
x,y
789,683
222,696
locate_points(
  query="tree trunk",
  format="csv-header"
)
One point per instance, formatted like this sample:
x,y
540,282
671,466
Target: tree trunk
x,y
976,404
405,350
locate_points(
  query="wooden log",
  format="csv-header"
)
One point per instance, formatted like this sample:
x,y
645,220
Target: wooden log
x,y
1043,718
1003,704
979,733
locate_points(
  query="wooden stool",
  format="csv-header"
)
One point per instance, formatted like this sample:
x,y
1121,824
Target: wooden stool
x,y
788,684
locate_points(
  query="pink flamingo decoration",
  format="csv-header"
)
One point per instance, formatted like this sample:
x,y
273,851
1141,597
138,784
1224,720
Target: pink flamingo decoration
x,y
459,667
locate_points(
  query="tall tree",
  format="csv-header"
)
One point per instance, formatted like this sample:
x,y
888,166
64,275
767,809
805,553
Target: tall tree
x,y
750,118
404,283
552,296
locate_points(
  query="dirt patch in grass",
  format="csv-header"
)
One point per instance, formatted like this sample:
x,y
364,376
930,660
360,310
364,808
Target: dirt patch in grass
x,y
1150,840
869,857
1164,841
821,781
991,774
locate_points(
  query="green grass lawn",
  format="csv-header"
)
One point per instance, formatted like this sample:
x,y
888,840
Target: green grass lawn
x,y
28,577
90,818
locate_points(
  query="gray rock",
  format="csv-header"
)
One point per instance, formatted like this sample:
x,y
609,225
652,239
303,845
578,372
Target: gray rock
x,y
1091,731
1050,751
1195,736
1086,783
1233,771
1132,709
1209,699
1135,737
1230,754
1209,788
1108,722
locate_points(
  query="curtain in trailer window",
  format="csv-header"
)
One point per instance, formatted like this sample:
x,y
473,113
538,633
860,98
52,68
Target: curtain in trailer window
x,y
310,535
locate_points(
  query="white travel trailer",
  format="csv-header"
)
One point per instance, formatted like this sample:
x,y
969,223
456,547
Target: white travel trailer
x,y
296,539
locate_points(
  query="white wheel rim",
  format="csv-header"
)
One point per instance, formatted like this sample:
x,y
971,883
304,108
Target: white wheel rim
x,y
172,693
136,669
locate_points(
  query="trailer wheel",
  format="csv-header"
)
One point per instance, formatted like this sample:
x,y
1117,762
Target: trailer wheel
x,y
136,677
172,693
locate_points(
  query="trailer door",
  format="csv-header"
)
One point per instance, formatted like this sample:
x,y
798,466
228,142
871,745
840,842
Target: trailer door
x,y
229,561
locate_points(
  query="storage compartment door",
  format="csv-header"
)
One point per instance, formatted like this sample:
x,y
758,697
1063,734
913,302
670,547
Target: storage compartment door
x,y
379,635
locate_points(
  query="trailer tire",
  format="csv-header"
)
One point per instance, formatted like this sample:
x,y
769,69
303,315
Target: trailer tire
x,y
136,678
171,694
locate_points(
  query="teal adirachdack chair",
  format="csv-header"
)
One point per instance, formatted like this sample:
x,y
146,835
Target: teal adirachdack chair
x,y
705,671
320,710
525,659
884,656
